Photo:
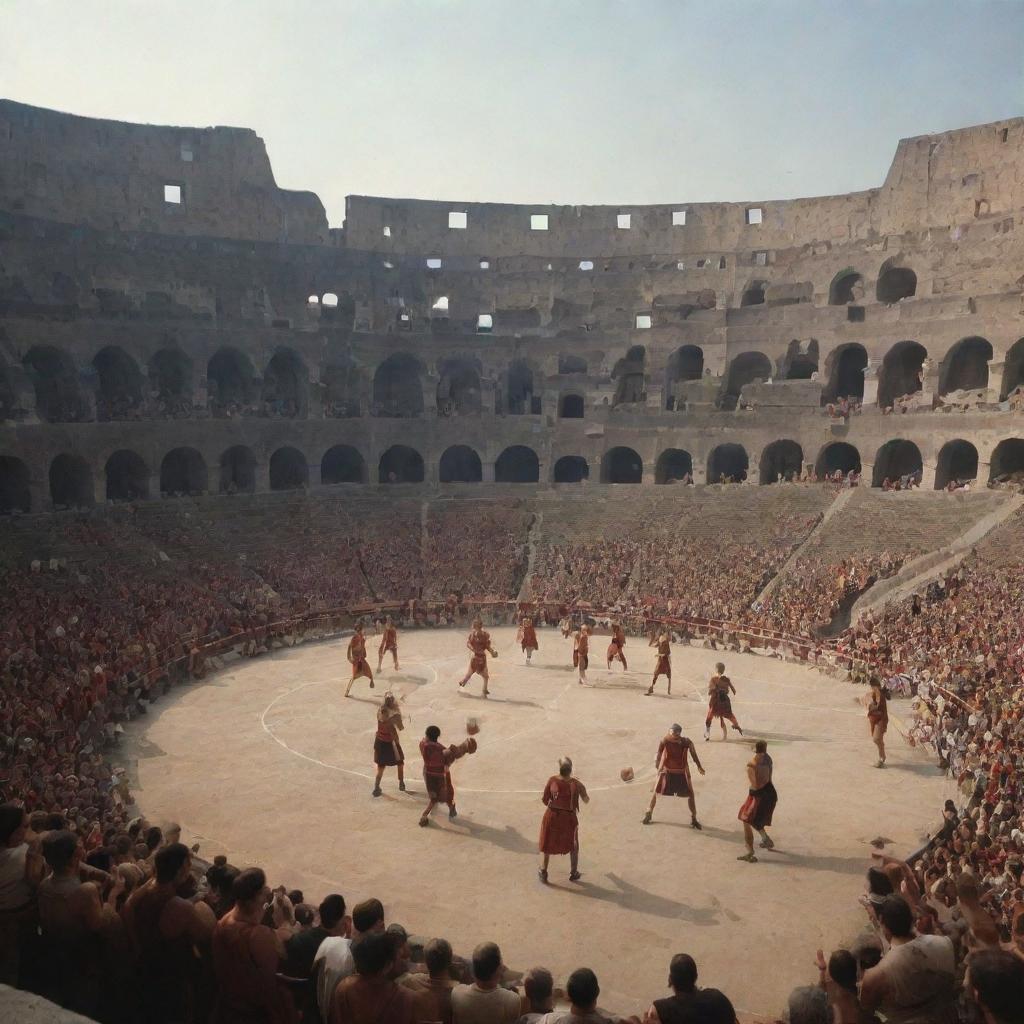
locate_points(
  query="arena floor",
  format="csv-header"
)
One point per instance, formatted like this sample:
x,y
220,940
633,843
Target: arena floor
x,y
267,763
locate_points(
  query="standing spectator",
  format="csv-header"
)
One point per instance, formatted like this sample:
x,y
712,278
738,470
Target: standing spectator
x,y
302,947
485,1002
334,961
995,979
21,871
433,990
371,996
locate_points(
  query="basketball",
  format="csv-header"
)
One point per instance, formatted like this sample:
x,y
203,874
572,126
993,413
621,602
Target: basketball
x,y
626,775
472,726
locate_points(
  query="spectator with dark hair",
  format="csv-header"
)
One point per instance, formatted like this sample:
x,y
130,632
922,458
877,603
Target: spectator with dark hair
x,y
582,989
433,990
485,1001
995,980
838,979
21,871
302,947
915,982
682,979
808,1005
334,960
220,878
371,996
539,990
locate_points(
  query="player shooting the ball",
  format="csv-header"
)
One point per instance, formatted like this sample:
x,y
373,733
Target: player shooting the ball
x,y
437,760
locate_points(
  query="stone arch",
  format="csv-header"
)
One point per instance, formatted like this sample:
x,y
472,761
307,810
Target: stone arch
x,y
1007,463
958,460
71,482
845,367
520,398
630,375
745,369
901,372
289,470
183,471
343,389
571,406
397,388
517,465
230,383
127,476
753,294
286,385
895,460
847,287
118,384
621,465
800,363
55,378
571,469
728,460
686,363
781,460
237,470
965,367
343,464
170,379
15,492
460,464
568,364
673,464
458,387
1013,369
400,465
895,283
837,455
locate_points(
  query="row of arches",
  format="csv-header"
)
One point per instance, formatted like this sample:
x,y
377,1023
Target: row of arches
x,y
184,471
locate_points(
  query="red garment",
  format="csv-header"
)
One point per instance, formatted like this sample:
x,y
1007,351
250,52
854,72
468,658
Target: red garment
x,y
673,766
389,639
436,776
528,638
559,829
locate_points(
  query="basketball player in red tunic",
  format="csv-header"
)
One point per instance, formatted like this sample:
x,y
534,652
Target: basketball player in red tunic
x,y
357,658
388,642
719,702
615,647
581,652
479,643
757,810
437,776
878,718
559,828
387,751
664,663
674,772
528,637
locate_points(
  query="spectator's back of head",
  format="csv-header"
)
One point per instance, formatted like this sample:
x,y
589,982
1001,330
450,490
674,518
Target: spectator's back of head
x,y
11,817
878,882
373,953
896,917
997,981
842,969
169,861
682,973
154,837
59,849
539,987
582,988
332,910
437,955
248,884
809,1005
486,961
367,916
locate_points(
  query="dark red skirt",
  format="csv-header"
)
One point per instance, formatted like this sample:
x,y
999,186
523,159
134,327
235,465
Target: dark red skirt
x,y
758,808
664,666
439,787
478,663
558,832
673,784
387,754
361,668
614,651
721,707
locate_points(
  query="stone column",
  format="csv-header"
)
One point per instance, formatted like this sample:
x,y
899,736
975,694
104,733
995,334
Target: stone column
x,y
39,495
870,386
487,469
154,485
929,470
867,473
261,477
699,471
650,469
996,370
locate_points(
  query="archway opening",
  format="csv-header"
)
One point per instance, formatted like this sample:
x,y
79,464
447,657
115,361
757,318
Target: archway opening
x,y
517,465
400,465
397,391
1007,465
1013,370
71,482
837,456
458,389
288,469
745,369
460,465
899,462
673,465
621,466
753,294
343,387
781,460
170,381
570,407
118,384
895,283
571,469
901,373
238,470
629,372
182,472
965,367
800,363
957,463
846,379
127,477
55,379
342,464
15,495
728,463
847,287
285,384
229,383
519,397
686,363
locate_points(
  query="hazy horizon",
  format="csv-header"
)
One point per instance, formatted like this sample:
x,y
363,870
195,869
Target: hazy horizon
x,y
577,102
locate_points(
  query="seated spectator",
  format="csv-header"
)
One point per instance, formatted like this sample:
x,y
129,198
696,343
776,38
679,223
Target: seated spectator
x,y
370,995
808,1005
539,990
582,989
915,982
995,980
334,960
301,948
688,1004
433,990
485,1002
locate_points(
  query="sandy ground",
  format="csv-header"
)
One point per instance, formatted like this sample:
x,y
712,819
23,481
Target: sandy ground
x,y
267,763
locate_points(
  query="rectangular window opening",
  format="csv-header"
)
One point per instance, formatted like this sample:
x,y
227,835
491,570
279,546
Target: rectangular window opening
x,y
172,194
457,220
485,264
434,263
441,306
187,154
721,263
624,221
754,215
681,265
586,264
484,323
643,321
701,264
679,218
761,259
387,230
538,222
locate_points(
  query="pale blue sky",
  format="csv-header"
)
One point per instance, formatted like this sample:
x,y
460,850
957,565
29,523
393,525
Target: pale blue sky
x,y
566,101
